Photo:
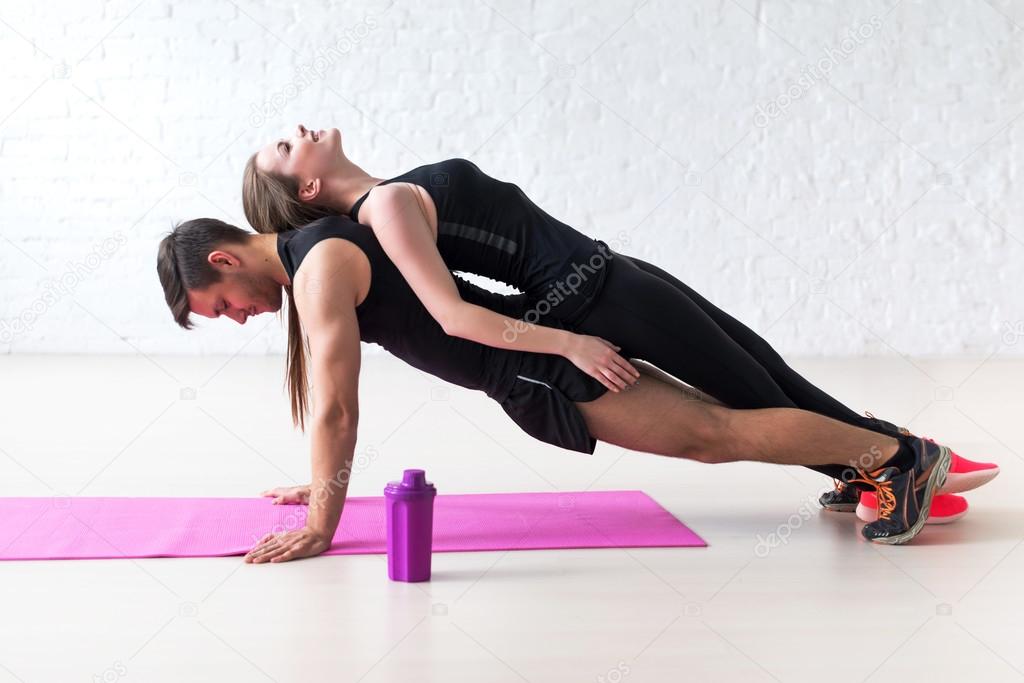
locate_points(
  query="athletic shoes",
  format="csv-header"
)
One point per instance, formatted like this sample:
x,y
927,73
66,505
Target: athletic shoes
x,y
843,499
905,498
946,508
964,475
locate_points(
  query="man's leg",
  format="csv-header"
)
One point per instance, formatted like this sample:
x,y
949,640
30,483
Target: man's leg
x,y
838,472
656,417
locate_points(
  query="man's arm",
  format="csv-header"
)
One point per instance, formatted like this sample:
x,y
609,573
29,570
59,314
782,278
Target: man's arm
x,y
325,297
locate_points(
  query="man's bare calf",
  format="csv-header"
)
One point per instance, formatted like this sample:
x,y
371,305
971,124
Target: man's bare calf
x,y
662,416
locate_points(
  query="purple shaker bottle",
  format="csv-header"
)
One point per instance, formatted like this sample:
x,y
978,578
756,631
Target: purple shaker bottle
x,y
410,521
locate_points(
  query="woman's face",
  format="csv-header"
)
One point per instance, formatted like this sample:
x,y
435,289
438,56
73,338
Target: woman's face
x,y
306,155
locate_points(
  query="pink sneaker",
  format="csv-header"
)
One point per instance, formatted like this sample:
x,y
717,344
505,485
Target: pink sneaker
x,y
946,508
965,474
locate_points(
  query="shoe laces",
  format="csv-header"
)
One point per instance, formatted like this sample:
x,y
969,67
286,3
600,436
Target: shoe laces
x,y
883,492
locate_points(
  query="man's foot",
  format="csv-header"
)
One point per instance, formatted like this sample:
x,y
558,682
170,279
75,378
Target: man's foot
x,y
905,498
964,475
843,499
946,508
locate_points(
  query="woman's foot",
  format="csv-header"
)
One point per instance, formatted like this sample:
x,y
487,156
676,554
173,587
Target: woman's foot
x,y
946,508
965,475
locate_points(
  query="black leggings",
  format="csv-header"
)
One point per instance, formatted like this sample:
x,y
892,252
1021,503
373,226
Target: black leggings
x,y
655,317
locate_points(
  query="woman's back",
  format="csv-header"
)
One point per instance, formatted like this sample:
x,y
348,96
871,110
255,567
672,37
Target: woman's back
x,y
490,227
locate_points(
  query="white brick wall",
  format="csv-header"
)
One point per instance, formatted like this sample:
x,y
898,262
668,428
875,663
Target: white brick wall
x,y
872,212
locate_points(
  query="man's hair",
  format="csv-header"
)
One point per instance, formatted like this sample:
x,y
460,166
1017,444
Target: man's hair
x,y
182,261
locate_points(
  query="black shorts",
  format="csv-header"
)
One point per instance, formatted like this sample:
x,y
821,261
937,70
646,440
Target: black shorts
x,y
542,401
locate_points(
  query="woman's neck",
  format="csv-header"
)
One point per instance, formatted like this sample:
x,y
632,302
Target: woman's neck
x,y
345,185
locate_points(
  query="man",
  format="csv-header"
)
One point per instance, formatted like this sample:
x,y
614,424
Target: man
x,y
347,289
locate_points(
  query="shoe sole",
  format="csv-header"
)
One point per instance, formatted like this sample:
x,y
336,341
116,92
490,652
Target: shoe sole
x,y
968,481
868,515
935,480
845,507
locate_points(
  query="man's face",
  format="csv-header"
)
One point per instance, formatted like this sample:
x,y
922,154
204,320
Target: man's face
x,y
237,296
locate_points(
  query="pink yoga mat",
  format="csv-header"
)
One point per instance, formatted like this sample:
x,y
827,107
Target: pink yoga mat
x,y
63,528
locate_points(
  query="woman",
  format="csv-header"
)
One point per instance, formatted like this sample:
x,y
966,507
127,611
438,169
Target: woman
x,y
450,216
344,288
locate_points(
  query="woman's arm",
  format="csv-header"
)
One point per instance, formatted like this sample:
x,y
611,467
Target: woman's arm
x,y
400,224
328,318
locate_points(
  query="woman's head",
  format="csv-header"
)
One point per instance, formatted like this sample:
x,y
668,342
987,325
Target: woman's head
x,y
283,181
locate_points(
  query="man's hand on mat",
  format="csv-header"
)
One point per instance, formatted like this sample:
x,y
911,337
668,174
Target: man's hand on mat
x,y
288,495
288,545
600,359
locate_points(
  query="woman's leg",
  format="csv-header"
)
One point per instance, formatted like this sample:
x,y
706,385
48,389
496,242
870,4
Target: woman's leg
x,y
804,394
650,319
654,316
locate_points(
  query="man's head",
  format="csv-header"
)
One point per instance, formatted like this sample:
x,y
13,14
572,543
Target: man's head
x,y
210,268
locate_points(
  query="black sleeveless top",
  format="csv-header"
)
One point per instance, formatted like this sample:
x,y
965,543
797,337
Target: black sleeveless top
x,y
394,318
490,227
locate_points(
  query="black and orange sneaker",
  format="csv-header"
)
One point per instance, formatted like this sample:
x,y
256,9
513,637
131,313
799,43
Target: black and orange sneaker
x,y
843,499
905,498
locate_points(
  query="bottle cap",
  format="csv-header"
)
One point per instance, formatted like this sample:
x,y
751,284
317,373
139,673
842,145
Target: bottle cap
x,y
414,482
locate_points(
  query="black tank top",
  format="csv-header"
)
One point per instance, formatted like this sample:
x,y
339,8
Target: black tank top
x,y
490,227
393,317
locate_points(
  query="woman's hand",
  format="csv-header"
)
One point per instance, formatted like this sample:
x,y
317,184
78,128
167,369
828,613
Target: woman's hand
x,y
600,359
288,495
288,545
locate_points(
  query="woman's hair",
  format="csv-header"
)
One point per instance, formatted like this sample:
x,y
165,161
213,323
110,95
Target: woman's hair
x,y
271,201
182,265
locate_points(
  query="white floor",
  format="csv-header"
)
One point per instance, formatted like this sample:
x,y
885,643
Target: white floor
x,y
823,606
